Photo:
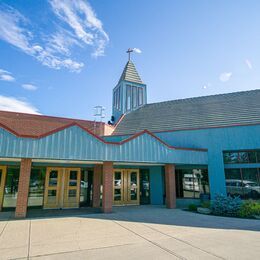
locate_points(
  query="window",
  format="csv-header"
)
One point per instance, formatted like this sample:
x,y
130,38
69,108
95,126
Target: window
x,y
140,97
230,157
191,183
11,187
128,97
144,186
119,98
243,182
258,156
134,97
36,188
242,156
114,98
86,187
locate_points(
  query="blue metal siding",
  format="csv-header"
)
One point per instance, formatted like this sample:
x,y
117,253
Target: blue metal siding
x,y
75,144
216,141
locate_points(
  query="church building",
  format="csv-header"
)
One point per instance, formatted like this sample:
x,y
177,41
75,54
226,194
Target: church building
x,y
170,153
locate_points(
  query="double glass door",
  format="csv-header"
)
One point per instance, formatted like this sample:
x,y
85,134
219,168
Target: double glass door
x,y
62,188
126,187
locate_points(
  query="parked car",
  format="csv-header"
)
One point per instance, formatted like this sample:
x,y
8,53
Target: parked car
x,y
248,189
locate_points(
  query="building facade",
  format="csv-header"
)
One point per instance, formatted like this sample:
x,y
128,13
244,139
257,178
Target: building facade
x,y
174,153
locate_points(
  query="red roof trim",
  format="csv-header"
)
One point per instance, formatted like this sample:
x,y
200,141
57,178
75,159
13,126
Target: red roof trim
x,y
99,138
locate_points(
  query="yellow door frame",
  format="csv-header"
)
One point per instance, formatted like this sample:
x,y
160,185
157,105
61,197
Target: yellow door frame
x,y
125,187
62,188
67,202
2,185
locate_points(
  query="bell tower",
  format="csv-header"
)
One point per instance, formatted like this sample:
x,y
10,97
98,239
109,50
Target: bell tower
x,y
130,92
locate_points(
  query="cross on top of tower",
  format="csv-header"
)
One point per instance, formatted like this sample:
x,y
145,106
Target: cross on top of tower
x,y
129,53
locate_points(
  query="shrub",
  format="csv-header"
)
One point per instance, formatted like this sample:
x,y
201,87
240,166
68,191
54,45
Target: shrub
x,y
249,208
206,204
226,206
192,207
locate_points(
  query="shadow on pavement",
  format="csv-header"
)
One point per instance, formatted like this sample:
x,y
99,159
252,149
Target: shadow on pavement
x,y
150,215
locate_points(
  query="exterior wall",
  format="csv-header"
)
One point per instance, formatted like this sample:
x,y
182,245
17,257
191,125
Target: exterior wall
x,y
216,141
156,185
74,143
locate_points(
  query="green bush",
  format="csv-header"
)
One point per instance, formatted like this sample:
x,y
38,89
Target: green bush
x,y
206,204
192,207
249,209
226,206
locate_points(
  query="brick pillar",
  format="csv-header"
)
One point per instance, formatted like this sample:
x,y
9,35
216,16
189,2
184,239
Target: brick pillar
x,y
96,185
23,188
170,187
107,197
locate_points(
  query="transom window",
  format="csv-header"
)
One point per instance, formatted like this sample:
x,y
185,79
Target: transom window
x,y
250,156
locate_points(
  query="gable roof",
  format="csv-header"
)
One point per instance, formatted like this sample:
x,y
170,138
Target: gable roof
x,y
239,108
29,125
130,73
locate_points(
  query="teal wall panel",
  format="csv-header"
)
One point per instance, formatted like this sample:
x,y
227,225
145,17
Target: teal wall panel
x,y
156,185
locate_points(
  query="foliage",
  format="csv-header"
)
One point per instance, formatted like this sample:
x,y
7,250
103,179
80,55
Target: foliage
x,y
249,208
206,204
192,207
226,206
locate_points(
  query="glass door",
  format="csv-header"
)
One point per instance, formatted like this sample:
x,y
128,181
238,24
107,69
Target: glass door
x,y
53,185
2,184
71,188
118,187
132,187
144,186
126,187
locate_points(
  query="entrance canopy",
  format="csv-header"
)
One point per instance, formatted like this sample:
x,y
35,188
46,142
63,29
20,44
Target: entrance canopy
x,y
77,143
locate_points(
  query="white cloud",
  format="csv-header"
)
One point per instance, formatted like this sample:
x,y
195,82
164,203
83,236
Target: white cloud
x,y
16,105
6,75
225,76
249,64
11,31
137,50
81,18
54,50
29,87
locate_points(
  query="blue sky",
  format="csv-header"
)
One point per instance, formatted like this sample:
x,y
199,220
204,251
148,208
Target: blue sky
x,y
63,58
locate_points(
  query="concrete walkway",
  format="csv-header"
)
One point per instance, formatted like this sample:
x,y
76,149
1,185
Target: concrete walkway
x,y
143,232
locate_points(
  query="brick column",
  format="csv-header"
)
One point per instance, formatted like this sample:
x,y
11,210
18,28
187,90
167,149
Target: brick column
x,y
107,197
96,185
23,188
170,187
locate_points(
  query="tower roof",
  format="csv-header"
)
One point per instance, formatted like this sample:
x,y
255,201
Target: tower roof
x,y
130,73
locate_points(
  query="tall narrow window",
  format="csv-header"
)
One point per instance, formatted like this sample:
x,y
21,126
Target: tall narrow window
x,y
140,97
128,97
134,97
118,98
114,99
